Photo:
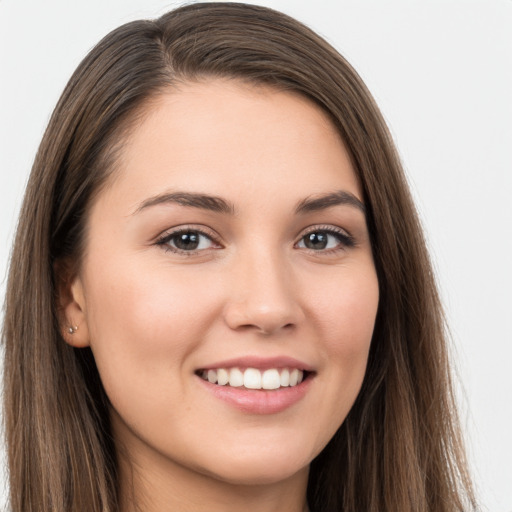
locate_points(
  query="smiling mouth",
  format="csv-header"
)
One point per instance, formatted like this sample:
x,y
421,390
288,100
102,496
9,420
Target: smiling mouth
x,y
253,378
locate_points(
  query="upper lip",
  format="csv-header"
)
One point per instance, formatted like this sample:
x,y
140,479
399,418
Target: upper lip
x,y
260,363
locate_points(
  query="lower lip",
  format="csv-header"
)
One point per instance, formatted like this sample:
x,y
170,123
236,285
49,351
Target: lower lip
x,y
260,401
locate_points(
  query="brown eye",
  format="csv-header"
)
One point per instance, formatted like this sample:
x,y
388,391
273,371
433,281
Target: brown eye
x,y
186,241
323,239
316,241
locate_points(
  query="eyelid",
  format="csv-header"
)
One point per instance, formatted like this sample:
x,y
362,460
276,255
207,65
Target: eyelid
x,y
346,240
325,227
163,238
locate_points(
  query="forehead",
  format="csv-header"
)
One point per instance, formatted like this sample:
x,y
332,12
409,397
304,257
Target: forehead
x,y
216,136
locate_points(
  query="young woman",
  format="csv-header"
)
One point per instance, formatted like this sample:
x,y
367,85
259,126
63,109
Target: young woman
x,y
219,297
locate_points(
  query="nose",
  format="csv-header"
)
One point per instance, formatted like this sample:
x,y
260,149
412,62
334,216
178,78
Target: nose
x,y
263,296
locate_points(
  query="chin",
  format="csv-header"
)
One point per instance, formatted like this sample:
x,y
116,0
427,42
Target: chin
x,y
258,469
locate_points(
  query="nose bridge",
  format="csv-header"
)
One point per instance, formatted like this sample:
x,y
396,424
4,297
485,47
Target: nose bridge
x,y
262,291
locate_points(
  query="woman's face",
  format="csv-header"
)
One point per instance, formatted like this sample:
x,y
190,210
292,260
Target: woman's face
x,y
229,251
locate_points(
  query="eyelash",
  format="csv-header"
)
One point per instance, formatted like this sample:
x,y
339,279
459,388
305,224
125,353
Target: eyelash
x,y
164,239
344,239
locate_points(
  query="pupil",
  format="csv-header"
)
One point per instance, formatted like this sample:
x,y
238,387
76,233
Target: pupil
x,y
188,241
316,241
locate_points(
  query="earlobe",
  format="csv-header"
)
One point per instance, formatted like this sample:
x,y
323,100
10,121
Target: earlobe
x,y
71,308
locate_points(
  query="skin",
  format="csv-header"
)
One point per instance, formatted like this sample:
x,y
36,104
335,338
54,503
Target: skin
x,y
153,316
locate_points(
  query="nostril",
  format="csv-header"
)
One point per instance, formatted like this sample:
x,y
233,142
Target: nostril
x,y
262,315
268,330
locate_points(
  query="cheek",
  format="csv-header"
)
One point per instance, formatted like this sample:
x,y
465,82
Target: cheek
x,y
345,311
345,317
153,304
143,328
144,324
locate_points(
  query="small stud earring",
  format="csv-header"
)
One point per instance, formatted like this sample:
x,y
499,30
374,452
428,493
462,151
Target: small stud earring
x,y
72,329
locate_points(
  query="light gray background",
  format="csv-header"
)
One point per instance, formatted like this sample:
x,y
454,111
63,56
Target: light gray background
x,y
441,72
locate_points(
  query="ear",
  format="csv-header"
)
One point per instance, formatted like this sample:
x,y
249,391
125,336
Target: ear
x,y
71,307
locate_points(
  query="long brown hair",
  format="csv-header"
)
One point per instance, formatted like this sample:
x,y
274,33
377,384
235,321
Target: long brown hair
x,y
400,447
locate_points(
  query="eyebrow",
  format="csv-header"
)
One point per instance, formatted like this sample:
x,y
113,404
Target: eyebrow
x,y
194,200
219,205
340,197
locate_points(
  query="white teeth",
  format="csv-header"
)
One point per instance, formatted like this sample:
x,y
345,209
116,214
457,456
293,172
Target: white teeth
x,y
222,377
252,378
294,377
270,379
236,378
